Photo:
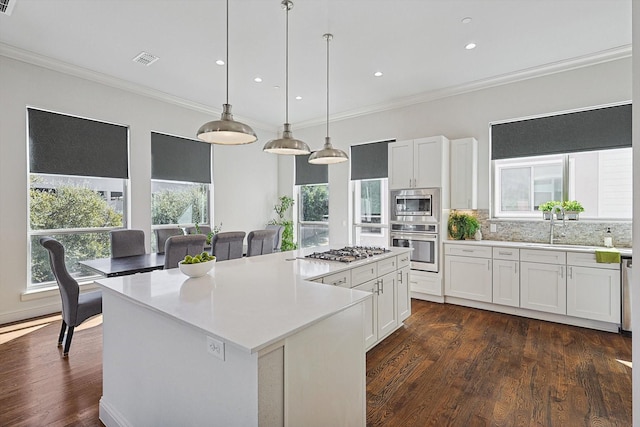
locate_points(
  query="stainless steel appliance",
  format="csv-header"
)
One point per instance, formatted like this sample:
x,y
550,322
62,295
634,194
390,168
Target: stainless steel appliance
x,y
415,205
626,294
348,253
414,217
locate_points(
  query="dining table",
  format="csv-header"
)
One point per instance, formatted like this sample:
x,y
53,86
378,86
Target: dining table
x,y
112,267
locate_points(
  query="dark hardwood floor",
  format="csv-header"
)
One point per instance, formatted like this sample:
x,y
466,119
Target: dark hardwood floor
x,y
448,366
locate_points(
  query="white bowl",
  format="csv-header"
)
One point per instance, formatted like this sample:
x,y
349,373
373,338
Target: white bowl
x,y
196,270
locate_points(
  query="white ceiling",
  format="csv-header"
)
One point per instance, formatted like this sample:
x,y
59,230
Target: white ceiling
x,y
417,44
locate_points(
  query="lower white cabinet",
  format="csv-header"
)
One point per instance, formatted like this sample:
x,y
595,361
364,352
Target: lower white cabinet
x,y
370,313
387,309
403,296
467,277
593,293
506,282
425,282
543,287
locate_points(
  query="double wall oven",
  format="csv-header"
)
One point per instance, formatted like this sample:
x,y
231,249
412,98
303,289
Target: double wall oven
x,y
414,220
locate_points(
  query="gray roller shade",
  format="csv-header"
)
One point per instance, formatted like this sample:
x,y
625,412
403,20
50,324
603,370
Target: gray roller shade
x,y
180,159
599,129
369,161
67,145
306,173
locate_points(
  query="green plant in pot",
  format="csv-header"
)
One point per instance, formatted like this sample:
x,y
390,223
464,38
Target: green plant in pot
x,y
572,209
462,225
546,208
285,203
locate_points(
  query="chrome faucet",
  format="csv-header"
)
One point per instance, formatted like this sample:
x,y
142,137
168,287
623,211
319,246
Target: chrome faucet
x,y
554,211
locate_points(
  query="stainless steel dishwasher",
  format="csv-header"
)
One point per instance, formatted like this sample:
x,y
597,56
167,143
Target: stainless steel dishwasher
x,y
626,271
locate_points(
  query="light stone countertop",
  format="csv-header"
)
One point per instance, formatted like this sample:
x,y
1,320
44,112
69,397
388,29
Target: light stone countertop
x,y
251,302
625,252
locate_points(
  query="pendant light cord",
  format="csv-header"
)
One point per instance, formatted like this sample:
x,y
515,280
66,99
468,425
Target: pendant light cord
x,y
286,72
328,37
227,54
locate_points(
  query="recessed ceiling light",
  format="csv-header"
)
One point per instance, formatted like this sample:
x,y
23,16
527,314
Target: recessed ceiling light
x,y
470,46
466,20
257,80
298,97
378,74
219,62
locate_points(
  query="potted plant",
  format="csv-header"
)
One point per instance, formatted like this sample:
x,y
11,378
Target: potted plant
x,y
462,225
546,208
285,204
572,209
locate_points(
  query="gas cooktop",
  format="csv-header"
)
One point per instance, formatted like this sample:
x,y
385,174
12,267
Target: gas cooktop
x,y
348,253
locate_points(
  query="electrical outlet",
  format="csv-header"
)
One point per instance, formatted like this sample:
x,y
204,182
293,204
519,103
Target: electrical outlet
x,y
493,228
215,347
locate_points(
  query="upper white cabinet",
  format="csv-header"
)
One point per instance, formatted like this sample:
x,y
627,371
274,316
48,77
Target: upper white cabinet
x,y
419,163
464,173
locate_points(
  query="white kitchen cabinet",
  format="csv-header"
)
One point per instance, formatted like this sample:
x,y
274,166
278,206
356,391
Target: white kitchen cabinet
x,y
370,313
419,163
387,306
469,276
403,296
543,287
593,289
506,276
425,282
464,173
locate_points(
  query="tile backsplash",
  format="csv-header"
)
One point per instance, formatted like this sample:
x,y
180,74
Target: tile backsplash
x,y
581,232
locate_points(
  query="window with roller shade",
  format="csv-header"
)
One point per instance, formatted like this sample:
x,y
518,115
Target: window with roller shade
x,y
180,182
582,155
370,190
78,174
312,183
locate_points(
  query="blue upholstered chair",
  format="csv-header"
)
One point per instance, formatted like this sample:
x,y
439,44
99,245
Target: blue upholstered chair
x,y
127,243
227,245
76,307
177,247
260,242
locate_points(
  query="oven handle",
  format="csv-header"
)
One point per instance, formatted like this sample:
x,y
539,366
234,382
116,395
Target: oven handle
x,y
415,236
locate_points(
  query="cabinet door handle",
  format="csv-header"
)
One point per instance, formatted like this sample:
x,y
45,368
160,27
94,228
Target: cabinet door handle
x,y
562,272
516,267
399,276
489,264
378,286
570,272
505,253
467,250
405,259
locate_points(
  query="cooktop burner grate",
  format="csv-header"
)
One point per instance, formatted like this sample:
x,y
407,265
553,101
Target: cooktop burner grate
x,y
348,253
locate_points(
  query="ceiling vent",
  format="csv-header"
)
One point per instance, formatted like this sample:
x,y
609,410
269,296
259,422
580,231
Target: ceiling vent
x,y
6,6
143,58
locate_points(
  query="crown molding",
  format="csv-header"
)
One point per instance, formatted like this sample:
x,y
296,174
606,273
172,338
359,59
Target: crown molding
x,y
36,59
521,75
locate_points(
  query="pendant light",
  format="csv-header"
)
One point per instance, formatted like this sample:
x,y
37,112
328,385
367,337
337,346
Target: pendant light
x,y
287,144
328,155
227,131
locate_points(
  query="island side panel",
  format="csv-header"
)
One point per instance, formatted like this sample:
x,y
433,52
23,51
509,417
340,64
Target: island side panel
x,y
325,372
157,371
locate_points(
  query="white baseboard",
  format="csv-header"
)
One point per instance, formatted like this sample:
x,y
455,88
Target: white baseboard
x,y
110,417
28,313
427,297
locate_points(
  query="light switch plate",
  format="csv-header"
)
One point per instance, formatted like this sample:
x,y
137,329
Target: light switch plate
x,y
215,347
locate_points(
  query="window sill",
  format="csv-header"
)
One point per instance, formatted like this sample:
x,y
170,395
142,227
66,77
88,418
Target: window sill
x,y
51,291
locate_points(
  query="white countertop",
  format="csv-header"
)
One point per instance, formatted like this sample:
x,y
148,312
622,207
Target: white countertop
x,y
249,302
529,245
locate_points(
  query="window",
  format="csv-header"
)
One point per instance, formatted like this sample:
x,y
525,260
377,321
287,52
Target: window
x,y
181,182
584,156
77,192
370,189
313,203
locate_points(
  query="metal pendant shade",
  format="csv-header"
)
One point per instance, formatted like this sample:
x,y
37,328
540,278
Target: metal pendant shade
x,y
227,131
287,144
328,155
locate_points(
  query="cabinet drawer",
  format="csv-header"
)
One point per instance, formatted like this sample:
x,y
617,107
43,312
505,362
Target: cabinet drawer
x,y
510,254
404,260
542,256
586,259
342,279
468,250
363,274
387,266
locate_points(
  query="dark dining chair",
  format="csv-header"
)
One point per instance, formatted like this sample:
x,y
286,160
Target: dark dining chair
x,y
177,247
127,243
162,234
277,240
227,245
260,242
76,307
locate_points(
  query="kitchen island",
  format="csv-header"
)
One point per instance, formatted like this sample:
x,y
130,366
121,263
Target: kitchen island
x,y
252,343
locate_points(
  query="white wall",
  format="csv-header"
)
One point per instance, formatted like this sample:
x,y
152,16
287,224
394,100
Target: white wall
x,y
245,178
467,114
